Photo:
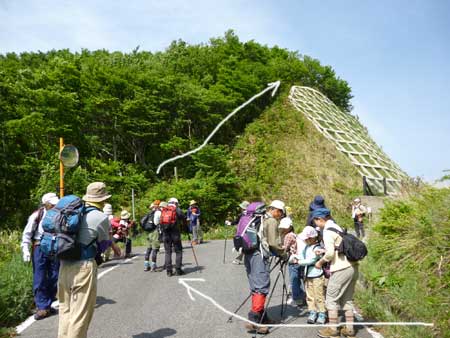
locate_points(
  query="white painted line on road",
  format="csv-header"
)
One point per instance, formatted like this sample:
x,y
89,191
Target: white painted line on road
x,y
189,289
30,320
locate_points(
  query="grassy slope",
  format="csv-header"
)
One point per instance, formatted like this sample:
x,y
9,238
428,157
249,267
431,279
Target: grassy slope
x,y
281,155
407,273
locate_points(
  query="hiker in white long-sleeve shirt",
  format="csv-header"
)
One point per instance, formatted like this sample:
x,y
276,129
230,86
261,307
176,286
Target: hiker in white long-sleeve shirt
x,y
45,269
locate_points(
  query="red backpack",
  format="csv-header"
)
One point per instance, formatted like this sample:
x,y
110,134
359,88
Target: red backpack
x,y
168,217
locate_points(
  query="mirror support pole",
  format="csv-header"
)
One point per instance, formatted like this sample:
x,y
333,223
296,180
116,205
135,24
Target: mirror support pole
x,y
61,170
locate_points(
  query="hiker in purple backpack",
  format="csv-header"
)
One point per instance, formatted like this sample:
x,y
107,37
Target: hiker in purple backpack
x,y
257,263
45,269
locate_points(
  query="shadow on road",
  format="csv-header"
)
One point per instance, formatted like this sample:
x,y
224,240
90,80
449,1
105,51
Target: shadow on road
x,y
103,301
161,333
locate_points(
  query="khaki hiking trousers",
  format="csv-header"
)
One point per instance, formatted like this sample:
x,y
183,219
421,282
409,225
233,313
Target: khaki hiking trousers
x,y
77,293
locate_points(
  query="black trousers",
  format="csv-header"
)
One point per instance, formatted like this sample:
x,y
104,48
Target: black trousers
x,y
359,229
171,238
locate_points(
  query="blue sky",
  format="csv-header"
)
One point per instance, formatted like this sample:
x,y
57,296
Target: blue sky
x,y
394,54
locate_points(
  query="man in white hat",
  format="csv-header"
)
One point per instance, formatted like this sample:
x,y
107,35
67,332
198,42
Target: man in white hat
x,y
45,269
77,284
358,213
257,265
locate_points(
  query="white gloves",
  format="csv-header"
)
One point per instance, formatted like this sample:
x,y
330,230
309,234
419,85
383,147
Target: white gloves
x,y
26,254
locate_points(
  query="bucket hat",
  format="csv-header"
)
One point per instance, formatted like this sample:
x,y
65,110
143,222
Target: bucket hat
x,y
96,192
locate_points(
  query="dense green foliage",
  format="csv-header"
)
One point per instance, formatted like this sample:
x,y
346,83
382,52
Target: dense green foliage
x,y
126,113
407,271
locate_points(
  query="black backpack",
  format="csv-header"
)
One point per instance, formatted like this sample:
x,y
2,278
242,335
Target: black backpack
x,y
148,223
352,247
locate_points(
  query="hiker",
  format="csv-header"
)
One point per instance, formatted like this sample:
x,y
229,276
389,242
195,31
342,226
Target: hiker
x,y
344,275
153,237
358,213
257,265
45,269
314,277
286,229
108,211
171,221
121,230
240,255
193,217
77,284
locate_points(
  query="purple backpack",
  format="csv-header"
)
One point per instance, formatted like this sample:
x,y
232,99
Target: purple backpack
x,y
246,238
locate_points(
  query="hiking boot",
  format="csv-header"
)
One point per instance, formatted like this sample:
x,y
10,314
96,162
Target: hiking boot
x,y
348,333
290,301
253,328
321,318
41,314
312,317
146,266
169,273
152,266
236,261
179,272
329,332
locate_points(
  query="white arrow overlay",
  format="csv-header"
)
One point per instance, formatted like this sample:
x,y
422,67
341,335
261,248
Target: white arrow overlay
x,y
190,290
270,86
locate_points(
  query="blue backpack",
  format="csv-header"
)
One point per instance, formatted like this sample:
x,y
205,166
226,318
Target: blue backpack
x,y
61,225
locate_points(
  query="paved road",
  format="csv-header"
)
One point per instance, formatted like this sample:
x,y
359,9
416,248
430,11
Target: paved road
x,y
137,304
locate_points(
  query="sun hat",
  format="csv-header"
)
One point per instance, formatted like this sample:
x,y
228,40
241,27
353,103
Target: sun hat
x,y
163,204
308,232
277,204
285,223
321,213
124,215
192,202
173,200
318,202
107,209
154,204
357,200
96,192
244,204
50,198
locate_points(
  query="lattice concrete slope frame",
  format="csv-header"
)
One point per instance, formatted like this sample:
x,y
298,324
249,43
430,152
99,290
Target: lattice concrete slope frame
x,y
349,137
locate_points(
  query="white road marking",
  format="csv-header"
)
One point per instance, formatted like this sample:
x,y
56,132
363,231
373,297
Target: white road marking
x,y
30,320
190,289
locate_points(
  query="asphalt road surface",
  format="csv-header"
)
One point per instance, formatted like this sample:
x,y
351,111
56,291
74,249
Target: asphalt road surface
x,y
138,304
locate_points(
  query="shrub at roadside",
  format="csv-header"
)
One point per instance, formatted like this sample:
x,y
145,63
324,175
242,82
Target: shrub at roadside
x,y
407,272
15,280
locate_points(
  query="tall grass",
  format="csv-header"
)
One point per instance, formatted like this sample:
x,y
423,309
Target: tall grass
x,y
16,277
407,272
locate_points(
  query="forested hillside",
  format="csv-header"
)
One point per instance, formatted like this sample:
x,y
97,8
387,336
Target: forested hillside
x,y
127,112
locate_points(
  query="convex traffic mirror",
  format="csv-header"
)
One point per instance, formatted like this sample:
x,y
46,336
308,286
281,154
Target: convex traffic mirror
x,y
69,156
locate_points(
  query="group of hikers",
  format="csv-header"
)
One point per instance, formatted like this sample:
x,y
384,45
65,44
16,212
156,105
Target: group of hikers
x,y
321,274
66,269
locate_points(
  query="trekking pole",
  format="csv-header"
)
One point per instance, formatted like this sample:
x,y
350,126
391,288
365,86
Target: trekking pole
x,y
230,319
193,251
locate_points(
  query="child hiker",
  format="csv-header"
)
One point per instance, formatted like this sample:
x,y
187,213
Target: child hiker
x,y
314,277
290,246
